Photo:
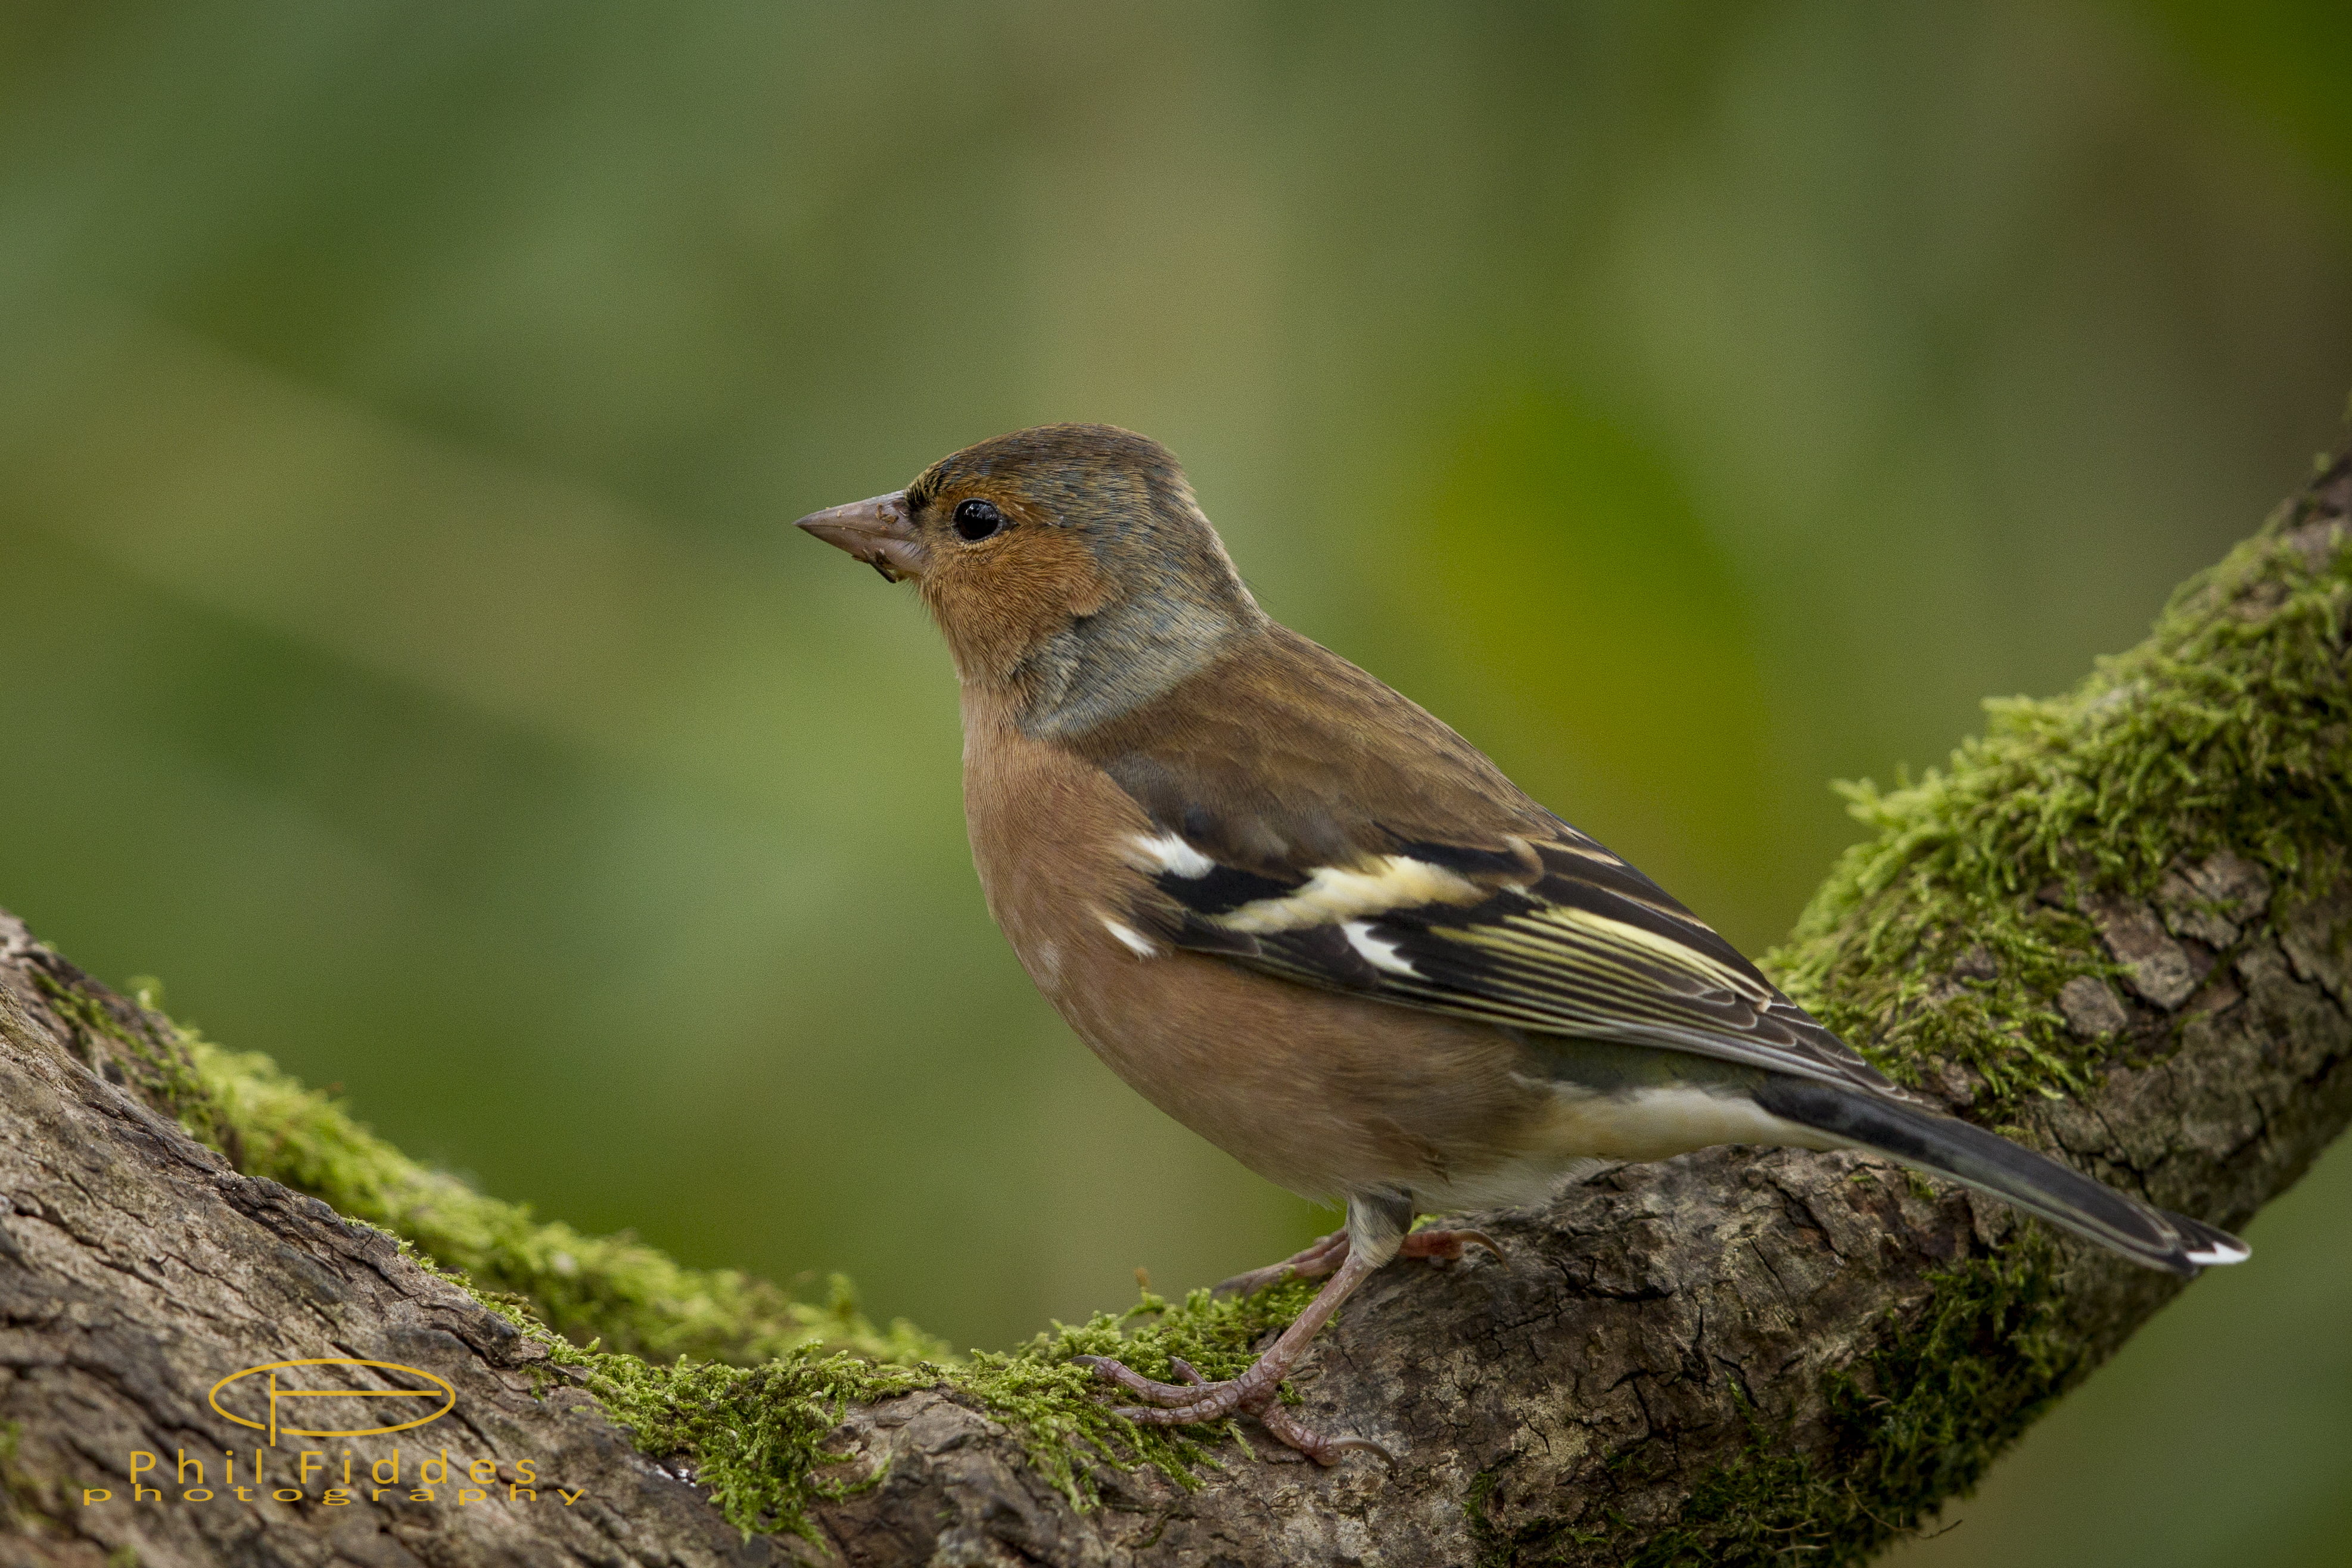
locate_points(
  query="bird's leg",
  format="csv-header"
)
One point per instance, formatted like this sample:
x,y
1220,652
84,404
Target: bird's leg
x,y
1181,1403
1375,1234
1326,1253
1319,1258
1329,1253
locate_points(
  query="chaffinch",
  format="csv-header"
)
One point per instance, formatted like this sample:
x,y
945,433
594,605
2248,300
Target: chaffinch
x,y
1315,925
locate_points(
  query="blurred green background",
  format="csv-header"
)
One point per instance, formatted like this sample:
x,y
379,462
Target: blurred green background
x,y
400,406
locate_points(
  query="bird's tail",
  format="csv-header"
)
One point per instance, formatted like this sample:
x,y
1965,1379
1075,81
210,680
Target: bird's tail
x,y
1992,1163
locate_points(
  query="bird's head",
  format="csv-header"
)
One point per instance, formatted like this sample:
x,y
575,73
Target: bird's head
x,y
1067,566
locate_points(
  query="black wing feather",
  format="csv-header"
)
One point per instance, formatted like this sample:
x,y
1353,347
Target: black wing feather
x,y
1586,946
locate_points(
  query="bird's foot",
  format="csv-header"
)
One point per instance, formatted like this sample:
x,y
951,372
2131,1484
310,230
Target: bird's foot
x,y
1253,1392
1198,1399
1319,1258
1447,1245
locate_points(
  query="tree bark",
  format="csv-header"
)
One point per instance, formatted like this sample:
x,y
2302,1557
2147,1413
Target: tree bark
x,y
1732,1356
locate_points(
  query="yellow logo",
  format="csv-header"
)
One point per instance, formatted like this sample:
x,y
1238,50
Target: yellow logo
x,y
442,1389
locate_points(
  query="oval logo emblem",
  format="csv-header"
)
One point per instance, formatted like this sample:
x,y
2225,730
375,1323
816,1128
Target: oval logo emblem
x,y
273,1390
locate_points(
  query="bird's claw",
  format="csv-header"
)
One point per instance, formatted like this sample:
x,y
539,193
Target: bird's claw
x,y
1448,1245
1143,1387
1292,1432
1197,1399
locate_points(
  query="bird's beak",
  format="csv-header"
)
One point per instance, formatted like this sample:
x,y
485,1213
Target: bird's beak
x,y
877,532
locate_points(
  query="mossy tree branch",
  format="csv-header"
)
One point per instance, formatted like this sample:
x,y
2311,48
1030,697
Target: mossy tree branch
x,y
2114,926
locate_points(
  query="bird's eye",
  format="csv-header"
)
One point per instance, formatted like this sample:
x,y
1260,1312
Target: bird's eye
x,y
976,519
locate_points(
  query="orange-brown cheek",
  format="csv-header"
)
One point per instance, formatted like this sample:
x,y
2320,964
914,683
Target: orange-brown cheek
x,y
995,606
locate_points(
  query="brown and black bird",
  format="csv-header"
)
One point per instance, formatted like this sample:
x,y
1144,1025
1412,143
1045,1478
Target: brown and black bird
x,y
1315,925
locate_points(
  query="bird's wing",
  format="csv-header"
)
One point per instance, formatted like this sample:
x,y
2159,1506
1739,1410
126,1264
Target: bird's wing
x,y
1556,934
1309,823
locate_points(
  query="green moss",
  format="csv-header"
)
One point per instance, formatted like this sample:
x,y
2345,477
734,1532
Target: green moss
x,y
632,1297
20,1495
2230,727
135,1047
1953,1383
723,1372
757,1437
1911,1423
1541,1540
